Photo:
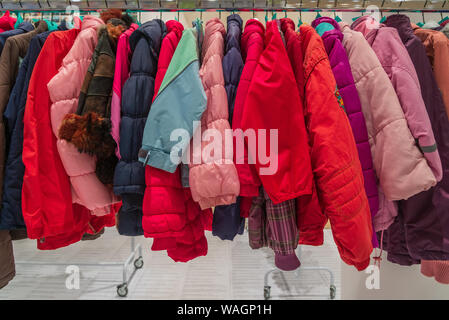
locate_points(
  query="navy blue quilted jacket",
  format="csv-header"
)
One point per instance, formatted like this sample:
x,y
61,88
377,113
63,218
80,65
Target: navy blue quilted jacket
x,y
137,95
11,212
227,222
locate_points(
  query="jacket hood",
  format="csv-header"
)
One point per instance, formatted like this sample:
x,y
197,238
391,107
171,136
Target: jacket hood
x,y
326,25
212,26
41,26
153,31
287,23
176,27
329,30
131,29
26,27
7,22
368,26
91,22
252,26
234,32
402,24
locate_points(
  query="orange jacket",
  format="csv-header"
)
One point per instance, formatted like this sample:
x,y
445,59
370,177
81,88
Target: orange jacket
x,y
335,163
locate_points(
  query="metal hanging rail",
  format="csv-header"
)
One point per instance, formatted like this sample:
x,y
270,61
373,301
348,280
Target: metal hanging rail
x,y
229,5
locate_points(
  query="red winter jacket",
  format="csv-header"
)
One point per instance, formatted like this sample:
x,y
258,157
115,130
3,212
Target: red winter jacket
x,y
273,103
252,45
311,220
46,195
163,203
170,215
336,166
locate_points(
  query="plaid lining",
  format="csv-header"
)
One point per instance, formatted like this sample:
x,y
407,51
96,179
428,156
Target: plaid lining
x,y
273,225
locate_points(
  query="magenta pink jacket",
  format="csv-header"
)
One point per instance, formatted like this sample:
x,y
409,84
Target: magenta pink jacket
x,y
214,182
64,89
121,74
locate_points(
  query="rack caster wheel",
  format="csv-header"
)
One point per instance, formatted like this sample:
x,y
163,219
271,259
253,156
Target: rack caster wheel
x,y
122,290
266,292
333,292
138,263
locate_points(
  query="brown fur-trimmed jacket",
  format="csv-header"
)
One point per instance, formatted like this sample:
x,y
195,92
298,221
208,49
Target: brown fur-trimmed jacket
x,y
89,129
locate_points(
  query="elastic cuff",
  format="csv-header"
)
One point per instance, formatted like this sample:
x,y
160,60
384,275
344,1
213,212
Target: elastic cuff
x,y
360,266
157,158
311,238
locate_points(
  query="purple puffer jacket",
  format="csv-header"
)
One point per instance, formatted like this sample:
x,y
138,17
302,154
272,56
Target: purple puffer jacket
x,y
421,230
329,31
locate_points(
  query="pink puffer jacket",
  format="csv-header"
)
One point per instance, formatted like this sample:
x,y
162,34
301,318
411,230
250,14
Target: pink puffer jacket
x,y
400,166
212,182
64,89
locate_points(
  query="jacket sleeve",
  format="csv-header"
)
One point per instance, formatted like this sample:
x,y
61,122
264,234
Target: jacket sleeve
x,y
187,100
406,83
213,180
337,169
248,177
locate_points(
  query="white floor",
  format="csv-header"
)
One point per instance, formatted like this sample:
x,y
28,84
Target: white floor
x,y
231,270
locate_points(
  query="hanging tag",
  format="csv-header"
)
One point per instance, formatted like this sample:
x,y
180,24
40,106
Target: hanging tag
x,y
355,18
338,19
384,18
273,17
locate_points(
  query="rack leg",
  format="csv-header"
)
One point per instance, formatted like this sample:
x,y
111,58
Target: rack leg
x,y
122,289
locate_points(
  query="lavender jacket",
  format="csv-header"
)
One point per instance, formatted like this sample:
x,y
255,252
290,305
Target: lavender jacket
x,y
421,232
329,31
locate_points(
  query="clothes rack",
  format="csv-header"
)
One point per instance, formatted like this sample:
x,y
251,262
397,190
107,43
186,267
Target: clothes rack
x,y
134,257
179,6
